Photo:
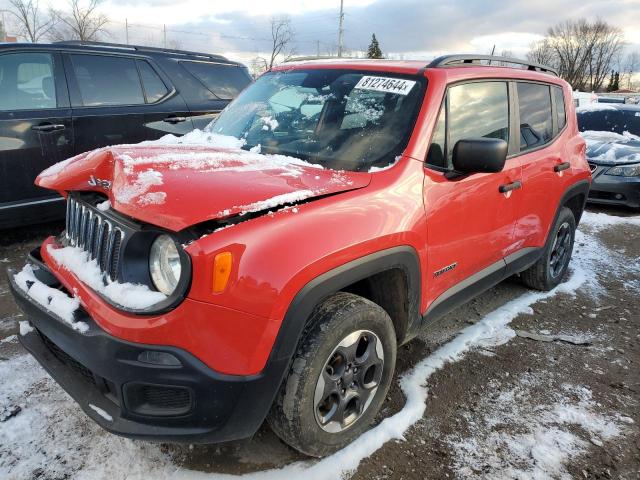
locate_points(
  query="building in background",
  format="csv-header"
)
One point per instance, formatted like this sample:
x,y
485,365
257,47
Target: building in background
x,y
4,37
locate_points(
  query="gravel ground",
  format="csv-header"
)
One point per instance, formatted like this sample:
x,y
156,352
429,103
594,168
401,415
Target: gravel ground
x,y
500,405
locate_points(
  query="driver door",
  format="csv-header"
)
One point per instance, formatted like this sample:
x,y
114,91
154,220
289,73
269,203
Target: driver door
x,y
470,222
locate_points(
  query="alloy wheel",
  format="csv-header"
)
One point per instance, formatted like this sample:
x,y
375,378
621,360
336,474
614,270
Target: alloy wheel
x,y
560,250
349,381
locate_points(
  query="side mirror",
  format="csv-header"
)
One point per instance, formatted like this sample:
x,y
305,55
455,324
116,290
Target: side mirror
x,y
479,155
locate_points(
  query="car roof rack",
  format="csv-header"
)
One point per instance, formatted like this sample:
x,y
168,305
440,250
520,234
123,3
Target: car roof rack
x,y
469,59
141,48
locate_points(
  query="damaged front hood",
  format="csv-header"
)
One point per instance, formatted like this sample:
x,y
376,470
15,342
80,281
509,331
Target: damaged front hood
x,y
181,185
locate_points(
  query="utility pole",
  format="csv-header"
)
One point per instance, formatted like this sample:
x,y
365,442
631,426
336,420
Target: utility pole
x,y
318,48
126,30
164,34
340,28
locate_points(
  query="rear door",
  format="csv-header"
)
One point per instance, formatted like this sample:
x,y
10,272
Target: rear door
x,y
121,99
35,124
470,221
541,111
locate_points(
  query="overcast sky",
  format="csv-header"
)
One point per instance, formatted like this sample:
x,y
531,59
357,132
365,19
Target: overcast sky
x,y
410,28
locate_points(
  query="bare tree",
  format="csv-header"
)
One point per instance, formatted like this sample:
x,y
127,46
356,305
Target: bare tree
x,y
582,51
83,21
258,66
33,24
632,67
542,52
281,39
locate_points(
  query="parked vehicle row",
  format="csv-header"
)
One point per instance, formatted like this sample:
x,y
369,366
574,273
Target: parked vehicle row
x,y
612,132
269,267
63,99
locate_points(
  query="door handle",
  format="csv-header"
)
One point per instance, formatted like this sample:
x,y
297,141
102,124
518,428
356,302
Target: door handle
x,y
48,127
175,119
510,187
562,166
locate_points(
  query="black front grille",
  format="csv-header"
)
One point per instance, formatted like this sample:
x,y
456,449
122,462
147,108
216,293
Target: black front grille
x,y
65,359
88,229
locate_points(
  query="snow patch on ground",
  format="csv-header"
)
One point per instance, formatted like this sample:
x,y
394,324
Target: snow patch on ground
x,y
600,221
52,299
512,440
128,295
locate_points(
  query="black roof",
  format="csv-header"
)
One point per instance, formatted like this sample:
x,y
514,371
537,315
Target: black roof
x,y
117,48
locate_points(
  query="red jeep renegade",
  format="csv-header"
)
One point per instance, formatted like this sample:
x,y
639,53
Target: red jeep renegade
x,y
269,267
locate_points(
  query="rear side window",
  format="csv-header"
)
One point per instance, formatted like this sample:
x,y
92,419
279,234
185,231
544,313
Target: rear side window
x,y
224,81
105,80
560,109
26,81
536,127
154,87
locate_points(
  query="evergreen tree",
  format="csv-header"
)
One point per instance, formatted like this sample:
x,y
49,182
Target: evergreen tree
x,y
610,84
374,48
616,82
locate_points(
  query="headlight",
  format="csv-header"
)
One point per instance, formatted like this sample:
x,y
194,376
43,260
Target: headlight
x,y
164,264
625,171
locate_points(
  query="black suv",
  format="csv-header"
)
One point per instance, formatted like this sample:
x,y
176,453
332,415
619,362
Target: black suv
x,y
61,99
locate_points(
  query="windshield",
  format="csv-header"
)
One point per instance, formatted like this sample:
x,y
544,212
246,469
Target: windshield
x,y
610,120
343,119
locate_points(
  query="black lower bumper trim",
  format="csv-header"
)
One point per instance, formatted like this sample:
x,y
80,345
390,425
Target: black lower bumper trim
x,y
187,403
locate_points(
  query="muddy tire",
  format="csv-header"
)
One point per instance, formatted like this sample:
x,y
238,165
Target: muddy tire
x,y
549,270
339,376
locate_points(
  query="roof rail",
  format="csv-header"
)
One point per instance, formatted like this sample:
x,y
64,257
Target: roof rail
x,y
141,48
313,57
452,60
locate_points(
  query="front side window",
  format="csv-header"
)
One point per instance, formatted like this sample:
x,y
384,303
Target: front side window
x,y
27,82
536,127
224,81
105,80
343,119
436,155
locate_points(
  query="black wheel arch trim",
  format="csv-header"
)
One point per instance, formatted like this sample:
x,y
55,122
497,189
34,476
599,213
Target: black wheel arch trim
x,y
578,188
403,257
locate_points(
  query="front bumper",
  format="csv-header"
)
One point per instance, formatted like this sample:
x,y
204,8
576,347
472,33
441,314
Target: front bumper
x,y
185,403
614,190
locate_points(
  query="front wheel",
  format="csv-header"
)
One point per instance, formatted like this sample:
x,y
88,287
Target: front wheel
x,y
339,377
548,271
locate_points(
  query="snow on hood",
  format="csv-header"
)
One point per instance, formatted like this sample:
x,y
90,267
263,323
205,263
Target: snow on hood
x,y
610,148
175,182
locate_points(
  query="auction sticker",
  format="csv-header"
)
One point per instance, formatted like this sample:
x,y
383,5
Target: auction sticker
x,y
386,84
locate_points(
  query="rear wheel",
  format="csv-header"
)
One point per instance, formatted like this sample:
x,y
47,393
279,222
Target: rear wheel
x,y
339,377
548,271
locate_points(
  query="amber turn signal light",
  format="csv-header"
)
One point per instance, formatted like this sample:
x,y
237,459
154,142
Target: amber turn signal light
x,y
221,271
